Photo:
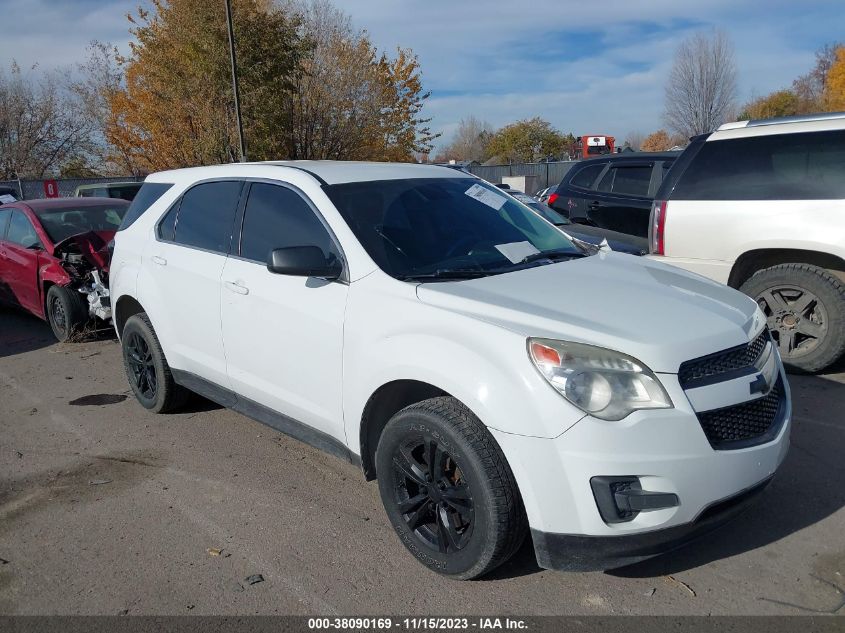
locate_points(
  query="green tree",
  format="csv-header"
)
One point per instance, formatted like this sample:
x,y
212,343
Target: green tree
x,y
175,108
778,103
349,101
527,141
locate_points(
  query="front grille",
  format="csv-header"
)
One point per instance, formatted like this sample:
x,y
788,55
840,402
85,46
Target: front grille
x,y
747,424
700,371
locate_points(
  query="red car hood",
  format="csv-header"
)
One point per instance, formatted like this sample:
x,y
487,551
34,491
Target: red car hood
x,y
93,246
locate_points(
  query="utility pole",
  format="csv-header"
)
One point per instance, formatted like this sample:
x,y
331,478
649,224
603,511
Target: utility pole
x,y
241,143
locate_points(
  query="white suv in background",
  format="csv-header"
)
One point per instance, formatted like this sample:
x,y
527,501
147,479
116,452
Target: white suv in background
x,y
490,373
760,206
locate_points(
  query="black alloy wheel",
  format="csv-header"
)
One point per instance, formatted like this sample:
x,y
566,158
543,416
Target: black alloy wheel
x,y
797,319
448,490
146,367
804,307
432,496
141,365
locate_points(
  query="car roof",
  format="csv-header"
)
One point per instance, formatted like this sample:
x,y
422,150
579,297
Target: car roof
x,y
329,172
48,204
820,122
99,185
633,156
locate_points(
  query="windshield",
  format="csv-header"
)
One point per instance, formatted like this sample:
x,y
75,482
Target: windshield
x,y
60,224
438,226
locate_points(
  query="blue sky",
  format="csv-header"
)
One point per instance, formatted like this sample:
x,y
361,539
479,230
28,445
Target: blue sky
x,y
588,67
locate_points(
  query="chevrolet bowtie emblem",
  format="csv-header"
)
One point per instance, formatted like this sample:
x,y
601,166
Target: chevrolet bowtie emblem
x,y
759,384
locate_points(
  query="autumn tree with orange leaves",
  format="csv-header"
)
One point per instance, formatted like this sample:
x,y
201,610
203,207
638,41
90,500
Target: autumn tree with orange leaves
x,y
311,87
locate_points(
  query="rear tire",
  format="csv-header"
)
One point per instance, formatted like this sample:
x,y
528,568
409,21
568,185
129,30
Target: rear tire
x,y
146,367
448,490
67,312
805,310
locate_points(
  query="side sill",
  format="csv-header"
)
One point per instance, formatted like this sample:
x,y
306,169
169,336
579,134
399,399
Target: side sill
x,y
265,415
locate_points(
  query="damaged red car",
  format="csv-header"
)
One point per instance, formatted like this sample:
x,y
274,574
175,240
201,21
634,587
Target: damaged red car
x,y
54,259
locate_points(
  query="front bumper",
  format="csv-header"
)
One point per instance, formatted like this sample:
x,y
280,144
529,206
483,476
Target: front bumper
x,y
572,552
666,450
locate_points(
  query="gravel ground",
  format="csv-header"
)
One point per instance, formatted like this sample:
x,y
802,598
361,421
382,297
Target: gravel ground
x,y
107,509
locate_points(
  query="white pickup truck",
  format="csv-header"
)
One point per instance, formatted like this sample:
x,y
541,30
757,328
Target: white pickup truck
x,y
760,206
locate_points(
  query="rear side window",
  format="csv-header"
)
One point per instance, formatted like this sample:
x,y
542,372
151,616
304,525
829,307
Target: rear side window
x,y
147,195
629,181
586,176
806,166
206,216
278,217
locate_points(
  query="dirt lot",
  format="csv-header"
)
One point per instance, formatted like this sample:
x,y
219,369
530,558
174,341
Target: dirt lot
x,y
106,509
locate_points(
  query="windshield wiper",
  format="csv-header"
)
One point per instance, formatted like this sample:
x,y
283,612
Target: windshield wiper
x,y
552,255
448,273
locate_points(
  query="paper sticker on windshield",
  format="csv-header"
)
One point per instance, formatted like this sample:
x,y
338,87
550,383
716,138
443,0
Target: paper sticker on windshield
x,y
517,251
6,198
485,196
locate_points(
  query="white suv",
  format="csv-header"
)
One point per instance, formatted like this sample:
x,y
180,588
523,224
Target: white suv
x,y
493,375
760,206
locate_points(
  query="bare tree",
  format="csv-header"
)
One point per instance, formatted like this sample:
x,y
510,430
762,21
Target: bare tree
x,y
810,87
701,92
470,140
42,125
634,140
100,77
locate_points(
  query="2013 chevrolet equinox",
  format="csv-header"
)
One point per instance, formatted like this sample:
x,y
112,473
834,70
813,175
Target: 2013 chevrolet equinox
x,y
489,372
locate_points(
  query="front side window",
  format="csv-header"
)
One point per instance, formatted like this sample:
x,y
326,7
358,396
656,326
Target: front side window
x,y
21,231
805,166
278,217
205,216
446,226
629,181
63,222
4,220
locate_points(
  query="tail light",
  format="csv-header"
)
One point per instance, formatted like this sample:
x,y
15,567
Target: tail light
x,y
552,199
657,230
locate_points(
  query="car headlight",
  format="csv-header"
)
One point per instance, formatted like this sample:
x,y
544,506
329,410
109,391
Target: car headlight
x,y
601,382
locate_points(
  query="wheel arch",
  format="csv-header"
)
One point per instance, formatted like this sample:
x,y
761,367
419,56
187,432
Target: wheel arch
x,y
753,261
382,405
126,306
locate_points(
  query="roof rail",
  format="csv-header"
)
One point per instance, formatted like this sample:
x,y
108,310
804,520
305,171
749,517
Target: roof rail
x,y
798,118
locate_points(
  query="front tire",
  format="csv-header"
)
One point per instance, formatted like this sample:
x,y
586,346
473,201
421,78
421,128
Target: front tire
x,y
805,310
448,490
147,369
67,312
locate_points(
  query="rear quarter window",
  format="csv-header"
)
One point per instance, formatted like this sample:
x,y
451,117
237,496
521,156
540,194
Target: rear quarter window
x,y
149,193
586,176
805,166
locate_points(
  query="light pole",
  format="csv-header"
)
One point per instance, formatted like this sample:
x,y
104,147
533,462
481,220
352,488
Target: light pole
x,y
241,142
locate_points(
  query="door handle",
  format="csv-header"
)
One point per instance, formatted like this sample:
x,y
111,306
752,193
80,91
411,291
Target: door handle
x,y
237,287
594,205
159,260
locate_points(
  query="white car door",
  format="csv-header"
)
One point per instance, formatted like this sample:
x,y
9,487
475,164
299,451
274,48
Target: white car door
x,y
283,334
181,278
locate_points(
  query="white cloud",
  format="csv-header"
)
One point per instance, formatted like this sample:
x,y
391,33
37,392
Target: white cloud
x,y
587,67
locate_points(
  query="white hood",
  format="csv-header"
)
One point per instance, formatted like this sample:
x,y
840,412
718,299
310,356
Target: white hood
x,y
658,314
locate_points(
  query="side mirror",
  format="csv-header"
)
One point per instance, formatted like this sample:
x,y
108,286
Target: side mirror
x,y
304,261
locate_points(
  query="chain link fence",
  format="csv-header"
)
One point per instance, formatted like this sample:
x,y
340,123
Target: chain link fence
x,y
30,189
